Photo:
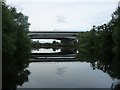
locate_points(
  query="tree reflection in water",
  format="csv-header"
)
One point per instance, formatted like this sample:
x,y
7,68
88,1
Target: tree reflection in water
x,y
14,71
106,62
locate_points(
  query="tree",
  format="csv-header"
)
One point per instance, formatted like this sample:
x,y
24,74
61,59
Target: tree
x,y
16,47
116,31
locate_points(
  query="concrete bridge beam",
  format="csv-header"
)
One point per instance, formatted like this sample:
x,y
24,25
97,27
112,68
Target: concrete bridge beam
x,y
68,41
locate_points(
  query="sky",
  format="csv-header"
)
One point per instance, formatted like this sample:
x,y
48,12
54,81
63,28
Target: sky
x,y
65,15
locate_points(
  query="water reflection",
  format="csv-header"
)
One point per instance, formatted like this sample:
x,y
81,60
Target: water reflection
x,y
62,68
53,54
105,61
89,69
14,71
61,71
75,75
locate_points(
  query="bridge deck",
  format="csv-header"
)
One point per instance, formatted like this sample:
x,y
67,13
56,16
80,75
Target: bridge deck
x,y
54,31
52,34
49,57
53,60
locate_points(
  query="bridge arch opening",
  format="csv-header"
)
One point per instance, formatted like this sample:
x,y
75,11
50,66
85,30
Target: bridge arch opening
x,y
46,40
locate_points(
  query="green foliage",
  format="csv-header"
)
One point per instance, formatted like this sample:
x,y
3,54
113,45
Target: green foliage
x,y
16,47
101,42
103,39
15,28
116,31
101,46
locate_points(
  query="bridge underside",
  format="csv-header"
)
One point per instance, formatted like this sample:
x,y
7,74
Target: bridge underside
x,y
64,41
65,38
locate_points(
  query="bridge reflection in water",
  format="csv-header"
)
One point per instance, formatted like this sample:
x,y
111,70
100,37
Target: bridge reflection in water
x,y
64,54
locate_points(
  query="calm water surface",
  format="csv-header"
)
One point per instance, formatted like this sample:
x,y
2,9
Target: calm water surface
x,y
78,74
66,75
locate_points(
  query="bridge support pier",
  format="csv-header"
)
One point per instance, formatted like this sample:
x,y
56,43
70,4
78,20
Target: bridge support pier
x,y
68,41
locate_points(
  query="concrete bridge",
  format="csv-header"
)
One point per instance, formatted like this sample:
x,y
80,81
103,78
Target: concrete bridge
x,y
66,37
50,57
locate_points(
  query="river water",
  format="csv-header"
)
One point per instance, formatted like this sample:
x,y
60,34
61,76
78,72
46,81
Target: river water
x,y
72,72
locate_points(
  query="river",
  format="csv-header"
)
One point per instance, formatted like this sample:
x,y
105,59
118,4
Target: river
x,y
67,71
